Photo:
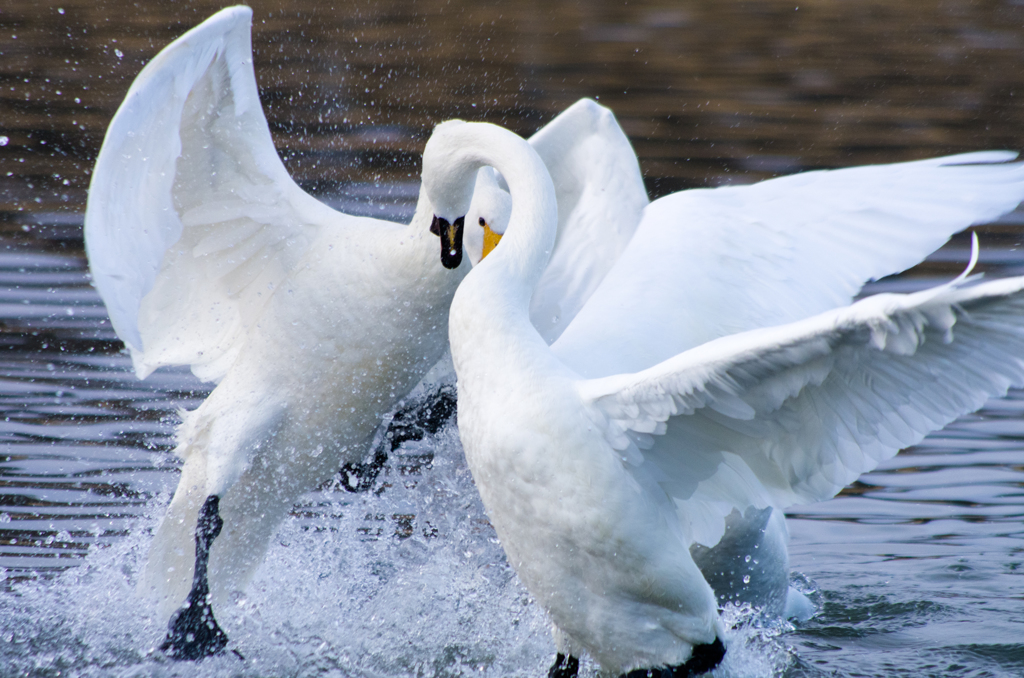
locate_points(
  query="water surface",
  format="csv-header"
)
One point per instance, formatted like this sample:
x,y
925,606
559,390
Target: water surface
x,y
917,567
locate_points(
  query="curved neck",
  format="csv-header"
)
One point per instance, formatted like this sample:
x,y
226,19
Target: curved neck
x,y
526,247
533,223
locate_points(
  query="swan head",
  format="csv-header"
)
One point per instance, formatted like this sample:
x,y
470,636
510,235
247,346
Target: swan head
x,y
452,159
488,215
448,181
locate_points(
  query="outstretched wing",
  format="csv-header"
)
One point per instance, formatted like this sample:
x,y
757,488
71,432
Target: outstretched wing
x,y
712,262
192,220
601,196
792,414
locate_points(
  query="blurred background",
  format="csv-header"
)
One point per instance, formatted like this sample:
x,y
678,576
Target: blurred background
x,y
709,91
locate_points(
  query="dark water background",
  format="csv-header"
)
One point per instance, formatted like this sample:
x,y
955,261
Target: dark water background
x,y
919,566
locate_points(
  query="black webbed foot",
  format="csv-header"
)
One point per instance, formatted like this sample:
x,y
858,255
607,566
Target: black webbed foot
x,y
413,422
192,632
705,657
565,666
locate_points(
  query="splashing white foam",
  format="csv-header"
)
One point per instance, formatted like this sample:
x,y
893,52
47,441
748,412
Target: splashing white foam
x,y
410,582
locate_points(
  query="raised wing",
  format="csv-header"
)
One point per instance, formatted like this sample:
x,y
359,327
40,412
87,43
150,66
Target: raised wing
x,y
601,197
792,414
192,220
712,262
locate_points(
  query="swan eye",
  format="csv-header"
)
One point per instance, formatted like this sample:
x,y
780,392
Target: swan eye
x,y
482,222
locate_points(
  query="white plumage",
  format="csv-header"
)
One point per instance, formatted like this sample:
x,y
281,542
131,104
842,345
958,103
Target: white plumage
x,y
313,323
620,500
706,263
601,197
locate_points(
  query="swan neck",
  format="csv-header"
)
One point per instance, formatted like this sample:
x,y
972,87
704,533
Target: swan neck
x,y
530,236
533,221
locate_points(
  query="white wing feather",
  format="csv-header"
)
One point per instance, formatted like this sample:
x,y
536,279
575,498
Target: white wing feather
x,y
192,220
712,262
601,197
792,414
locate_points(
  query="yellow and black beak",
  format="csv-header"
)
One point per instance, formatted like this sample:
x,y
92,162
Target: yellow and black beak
x,y
451,240
491,239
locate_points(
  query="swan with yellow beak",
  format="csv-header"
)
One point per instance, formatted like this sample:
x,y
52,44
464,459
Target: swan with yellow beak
x,y
626,501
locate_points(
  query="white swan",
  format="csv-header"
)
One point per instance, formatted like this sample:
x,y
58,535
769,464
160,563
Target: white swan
x,y
731,259
607,492
313,323
207,254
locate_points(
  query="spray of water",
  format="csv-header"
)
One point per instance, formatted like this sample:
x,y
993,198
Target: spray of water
x,y
409,580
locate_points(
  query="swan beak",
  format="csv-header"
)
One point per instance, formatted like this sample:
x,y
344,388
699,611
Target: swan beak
x,y
451,240
491,239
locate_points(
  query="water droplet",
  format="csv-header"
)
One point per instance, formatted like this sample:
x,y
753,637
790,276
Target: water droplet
x,y
4,140
747,559
119,53
746,579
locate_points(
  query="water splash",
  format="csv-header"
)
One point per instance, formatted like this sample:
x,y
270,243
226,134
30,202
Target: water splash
x,y
408,583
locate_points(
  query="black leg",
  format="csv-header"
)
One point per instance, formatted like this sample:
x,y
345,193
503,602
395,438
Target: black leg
x,y
564,667
412,422
704,658
193,633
